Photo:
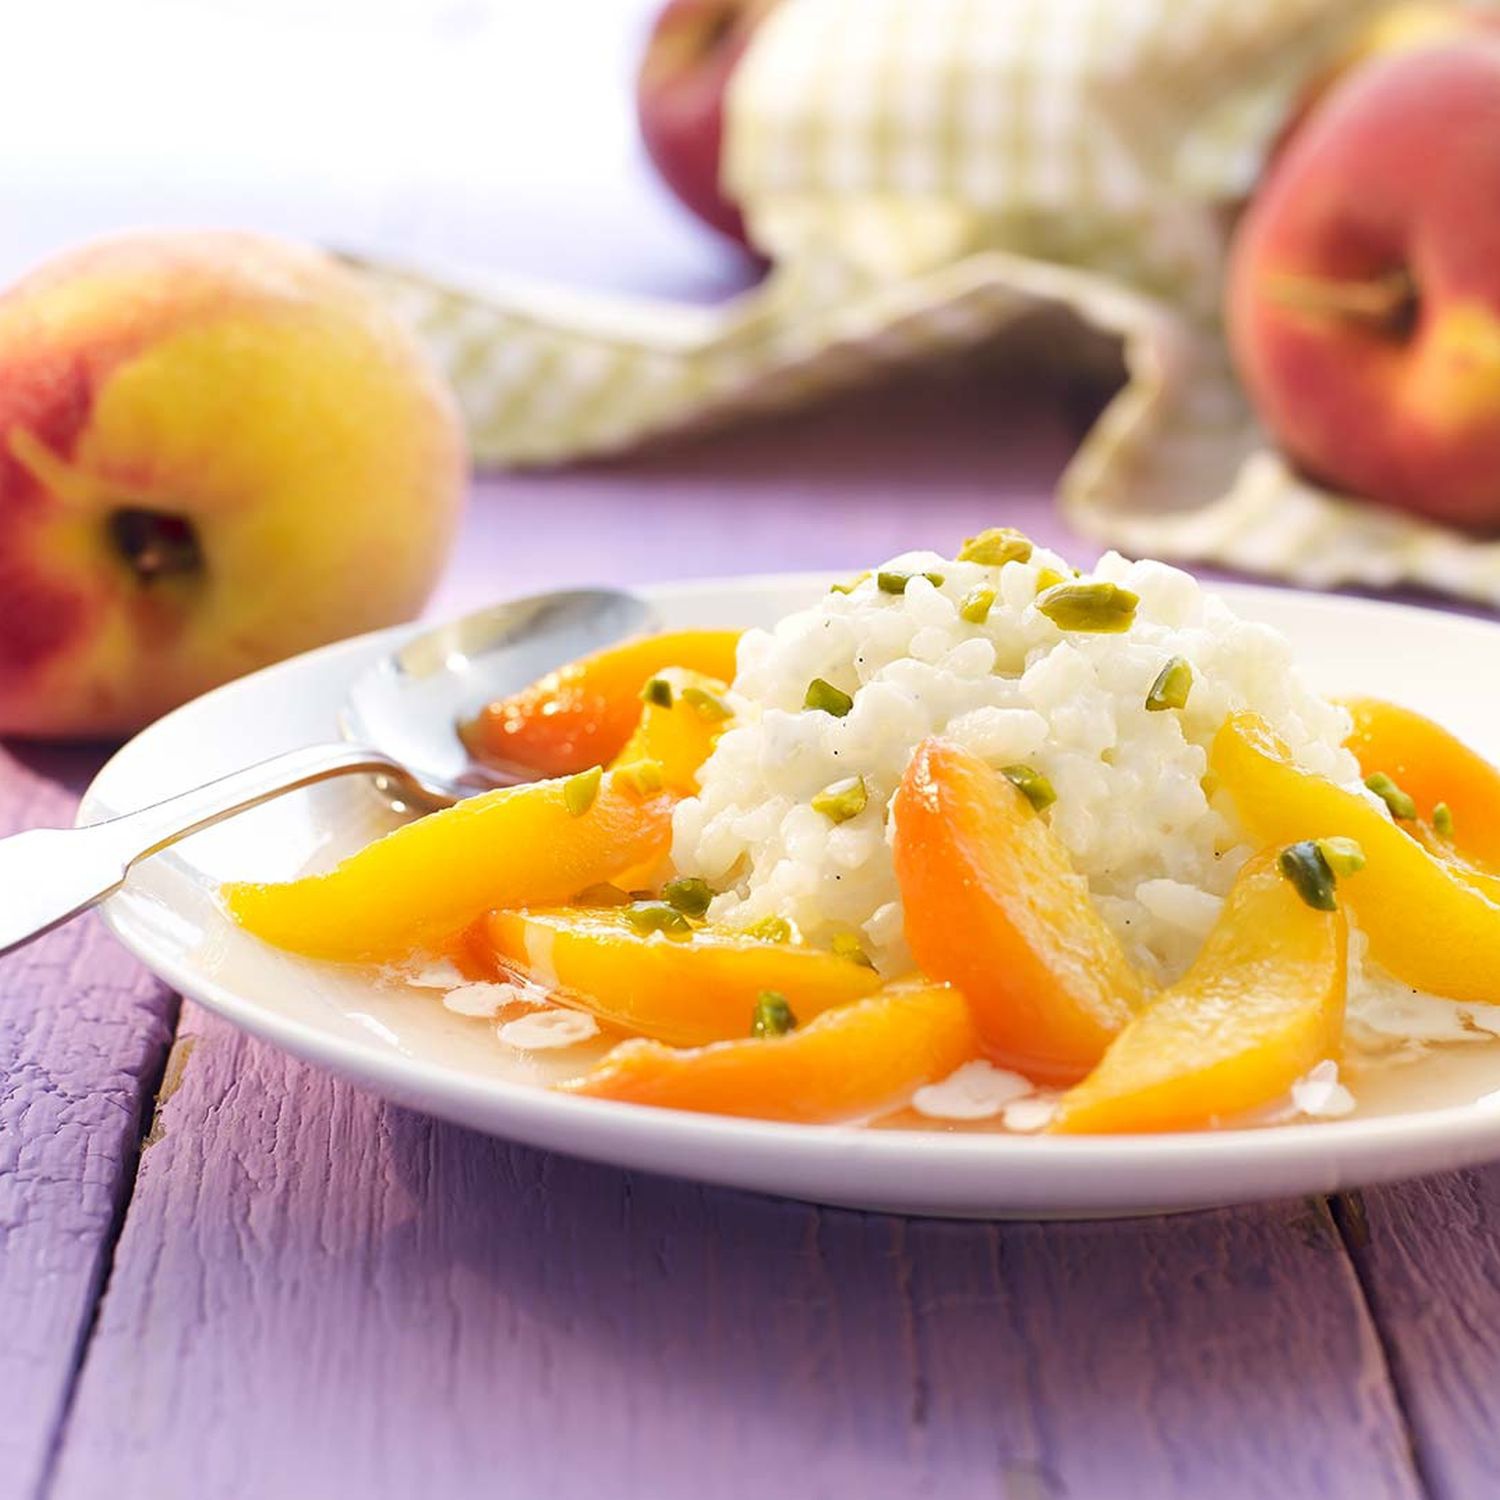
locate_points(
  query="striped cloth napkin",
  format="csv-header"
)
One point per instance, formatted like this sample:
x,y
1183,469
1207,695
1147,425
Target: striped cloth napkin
x,y
930,175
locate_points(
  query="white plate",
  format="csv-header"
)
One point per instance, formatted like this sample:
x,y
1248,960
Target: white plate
x,y
404,1044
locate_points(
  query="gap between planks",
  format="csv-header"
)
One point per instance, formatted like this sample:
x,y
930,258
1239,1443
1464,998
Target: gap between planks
x,y
158,1087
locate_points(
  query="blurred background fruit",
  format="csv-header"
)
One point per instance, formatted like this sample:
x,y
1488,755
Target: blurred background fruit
x,y
218,449
1363,302
689,59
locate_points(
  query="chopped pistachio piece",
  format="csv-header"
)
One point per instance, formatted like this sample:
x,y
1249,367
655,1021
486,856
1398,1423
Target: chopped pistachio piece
x,y
1099,608
1442,819
579,791
769,930
827,698
1343,856
848,588
1399,802
657,916
995,547
846,945
706,705
1031,784
1173,684
658,691
1048,578
1308,870
641,777
895,583
688,894
976,605
772,1016
843,799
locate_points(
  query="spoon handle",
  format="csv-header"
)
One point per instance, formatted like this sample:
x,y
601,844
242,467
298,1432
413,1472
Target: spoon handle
x,y
48,875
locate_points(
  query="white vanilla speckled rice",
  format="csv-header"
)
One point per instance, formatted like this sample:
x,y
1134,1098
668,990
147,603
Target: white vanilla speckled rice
x,y
1158,854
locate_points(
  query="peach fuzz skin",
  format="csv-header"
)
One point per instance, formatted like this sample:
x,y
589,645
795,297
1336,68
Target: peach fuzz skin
x,y
1397,171
257,396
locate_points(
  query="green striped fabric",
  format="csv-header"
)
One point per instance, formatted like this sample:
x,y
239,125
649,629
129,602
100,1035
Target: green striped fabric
x,y
929,175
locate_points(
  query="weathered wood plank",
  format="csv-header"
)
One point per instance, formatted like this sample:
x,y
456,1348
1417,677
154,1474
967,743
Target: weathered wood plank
x,y
317,1293
82,1036
1429,1255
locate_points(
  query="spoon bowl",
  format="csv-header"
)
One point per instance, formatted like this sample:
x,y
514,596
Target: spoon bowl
x,y
409,704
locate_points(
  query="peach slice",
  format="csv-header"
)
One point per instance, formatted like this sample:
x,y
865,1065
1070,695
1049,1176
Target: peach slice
x,y
994,907
582,714
699,986
856,1060
1262,1003
419,885
679,734
1432,766
1427,920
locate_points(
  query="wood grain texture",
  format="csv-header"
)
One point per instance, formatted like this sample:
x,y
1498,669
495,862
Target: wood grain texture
x,y
1428,1253
317,1293
82,1036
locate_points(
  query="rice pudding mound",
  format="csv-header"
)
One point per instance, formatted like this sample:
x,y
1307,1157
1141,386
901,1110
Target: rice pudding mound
x,y
919,648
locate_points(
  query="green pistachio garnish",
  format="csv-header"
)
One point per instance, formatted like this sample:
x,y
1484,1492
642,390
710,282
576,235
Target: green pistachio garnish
x,y
1306,866
1343,856
1031,784
976,605
848,588
996,547
772,1016
769,930
828,699
657,916
895,583
846,945
1442,819
658,691
1048,578
1099,608
579,791
641,777
843,799
688,894
1173,684
706,705
1399,802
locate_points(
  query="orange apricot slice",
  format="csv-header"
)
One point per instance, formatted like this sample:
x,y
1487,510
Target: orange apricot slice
x,y
583,714
1262,1003
851,1062
679,727
698,986
1426,921
994,907
1432,766
419,885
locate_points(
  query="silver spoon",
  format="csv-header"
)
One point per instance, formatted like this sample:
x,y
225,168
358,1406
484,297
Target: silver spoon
x,y
398,725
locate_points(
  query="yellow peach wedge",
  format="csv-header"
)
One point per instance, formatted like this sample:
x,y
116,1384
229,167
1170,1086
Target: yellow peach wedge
x,y
416,887
682,717
1435,768
1262,1003
1426,920
848,1063
648,970
994,907
583,714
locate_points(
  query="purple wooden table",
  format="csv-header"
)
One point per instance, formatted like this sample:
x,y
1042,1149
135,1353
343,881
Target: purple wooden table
x,y
224,1274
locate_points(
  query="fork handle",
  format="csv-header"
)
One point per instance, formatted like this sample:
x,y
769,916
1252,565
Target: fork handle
x,y
48,875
